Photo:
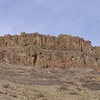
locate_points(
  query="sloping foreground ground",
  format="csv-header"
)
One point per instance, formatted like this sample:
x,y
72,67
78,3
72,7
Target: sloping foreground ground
x,y
26,83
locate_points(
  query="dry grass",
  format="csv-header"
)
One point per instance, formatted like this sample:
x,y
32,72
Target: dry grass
x,y
27,83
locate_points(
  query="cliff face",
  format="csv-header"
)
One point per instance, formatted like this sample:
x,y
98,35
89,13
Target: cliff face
x,y
45,51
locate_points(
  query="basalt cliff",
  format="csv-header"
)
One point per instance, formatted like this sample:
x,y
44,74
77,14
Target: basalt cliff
x,y
44,51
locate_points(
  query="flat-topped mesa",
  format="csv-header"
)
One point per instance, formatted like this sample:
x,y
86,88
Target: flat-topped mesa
x,y
45,51
64,42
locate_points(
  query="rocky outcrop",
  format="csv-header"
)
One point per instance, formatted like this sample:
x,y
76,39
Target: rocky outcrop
x,y
45,51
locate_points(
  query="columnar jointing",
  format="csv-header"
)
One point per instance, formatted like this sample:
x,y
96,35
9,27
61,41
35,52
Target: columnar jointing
x,y
45,51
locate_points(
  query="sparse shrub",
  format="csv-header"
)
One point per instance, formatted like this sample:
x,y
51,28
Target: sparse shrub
x,y
6,85
63,88
73,93
39,95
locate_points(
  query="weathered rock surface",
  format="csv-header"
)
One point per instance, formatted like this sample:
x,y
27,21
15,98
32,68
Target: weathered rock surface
x,y
44,51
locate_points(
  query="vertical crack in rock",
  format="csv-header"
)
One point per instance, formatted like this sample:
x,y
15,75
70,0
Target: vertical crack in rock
x,y
34,58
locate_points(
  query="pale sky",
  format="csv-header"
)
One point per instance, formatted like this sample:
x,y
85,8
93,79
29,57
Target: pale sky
x,y
54,17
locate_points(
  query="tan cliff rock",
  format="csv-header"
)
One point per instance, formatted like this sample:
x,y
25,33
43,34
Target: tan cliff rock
x,y
44,51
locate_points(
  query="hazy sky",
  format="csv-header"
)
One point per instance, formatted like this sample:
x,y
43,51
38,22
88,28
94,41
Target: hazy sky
x,y
54,17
